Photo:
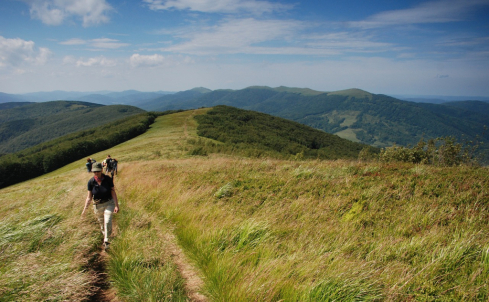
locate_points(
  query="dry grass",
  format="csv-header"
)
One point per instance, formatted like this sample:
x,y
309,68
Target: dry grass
x,y
264,229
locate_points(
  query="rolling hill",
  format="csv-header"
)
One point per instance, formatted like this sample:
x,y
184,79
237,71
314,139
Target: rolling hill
x,y
354,114
26,126
260,134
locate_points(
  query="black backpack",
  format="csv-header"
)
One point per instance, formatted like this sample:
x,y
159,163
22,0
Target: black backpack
x,y
109,163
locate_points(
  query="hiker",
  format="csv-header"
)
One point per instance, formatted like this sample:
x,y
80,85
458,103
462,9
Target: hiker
x,y
89,165
114,167
109,165
101,189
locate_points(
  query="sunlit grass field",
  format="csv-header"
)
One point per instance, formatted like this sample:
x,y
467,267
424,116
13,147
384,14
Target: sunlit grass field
x,y
254,229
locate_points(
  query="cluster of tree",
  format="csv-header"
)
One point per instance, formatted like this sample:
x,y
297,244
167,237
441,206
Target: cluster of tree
x,y
444,151
254,133
51,155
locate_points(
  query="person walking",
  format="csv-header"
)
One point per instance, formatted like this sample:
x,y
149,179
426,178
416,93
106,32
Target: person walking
x,y
101,189
89,165
114,167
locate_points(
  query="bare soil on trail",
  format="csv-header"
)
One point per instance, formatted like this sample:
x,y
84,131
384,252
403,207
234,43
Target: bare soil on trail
x,y
102,290
193,283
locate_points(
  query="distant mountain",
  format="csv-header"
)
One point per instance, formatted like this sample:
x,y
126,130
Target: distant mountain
x,y
439,99
54,96
29,125
10,98
354,114
127,97
172,101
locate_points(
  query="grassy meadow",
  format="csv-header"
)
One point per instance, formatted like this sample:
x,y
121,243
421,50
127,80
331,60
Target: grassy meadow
x,y
252,229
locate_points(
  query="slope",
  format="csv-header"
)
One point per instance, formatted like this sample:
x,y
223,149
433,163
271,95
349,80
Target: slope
x,y
262,134
255,229
29,125
354,114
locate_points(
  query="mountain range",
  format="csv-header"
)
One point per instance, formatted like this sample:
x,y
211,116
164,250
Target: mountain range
x,y
357,115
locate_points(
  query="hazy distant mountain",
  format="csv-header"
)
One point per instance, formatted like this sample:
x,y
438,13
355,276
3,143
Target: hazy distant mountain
x,y
439,99
29,125
10,98
127,97
172,101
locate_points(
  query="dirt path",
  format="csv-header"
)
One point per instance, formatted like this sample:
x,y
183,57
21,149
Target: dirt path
x,y
193,283
103,292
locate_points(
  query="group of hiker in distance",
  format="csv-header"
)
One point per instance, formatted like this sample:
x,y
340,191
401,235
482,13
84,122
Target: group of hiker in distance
x,y
102,191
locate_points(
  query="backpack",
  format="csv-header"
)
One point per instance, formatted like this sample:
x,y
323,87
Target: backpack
x,y
109,163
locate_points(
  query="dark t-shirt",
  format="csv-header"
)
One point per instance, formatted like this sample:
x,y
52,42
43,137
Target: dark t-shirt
x,y
102,192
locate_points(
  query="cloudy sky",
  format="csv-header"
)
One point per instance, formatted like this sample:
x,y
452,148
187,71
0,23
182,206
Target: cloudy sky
x,y
413,47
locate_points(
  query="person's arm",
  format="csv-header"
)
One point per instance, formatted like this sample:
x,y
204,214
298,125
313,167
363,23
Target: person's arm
x,y
87,201
114,197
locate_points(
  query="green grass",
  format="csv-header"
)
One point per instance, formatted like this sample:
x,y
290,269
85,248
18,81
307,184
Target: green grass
x,y
254,229
140,266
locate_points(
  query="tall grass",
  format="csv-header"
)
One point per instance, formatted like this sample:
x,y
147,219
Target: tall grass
x,y
139,264
324,231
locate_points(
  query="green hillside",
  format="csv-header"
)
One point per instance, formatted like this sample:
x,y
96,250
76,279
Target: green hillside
x,y
13,105
354,114
224,227
29,125
258,133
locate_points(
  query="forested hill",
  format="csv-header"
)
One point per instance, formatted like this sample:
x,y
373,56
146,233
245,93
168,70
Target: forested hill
x,y
29,125
354,114
257,134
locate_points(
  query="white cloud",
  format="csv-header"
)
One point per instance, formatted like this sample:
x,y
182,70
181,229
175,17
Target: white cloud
x,y
218,6
55,12
98,61
430,12
104,43
146,60
137,60
346,41
107,43
74,41
272,37
68,60
235,36
16,52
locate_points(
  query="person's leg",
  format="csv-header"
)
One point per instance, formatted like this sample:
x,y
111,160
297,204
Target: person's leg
x,y
99,213
108,211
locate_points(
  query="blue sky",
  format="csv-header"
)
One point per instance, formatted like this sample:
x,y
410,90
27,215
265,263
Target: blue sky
x,y
390,47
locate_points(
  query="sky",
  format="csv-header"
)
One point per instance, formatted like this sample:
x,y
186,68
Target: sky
x,y
410,47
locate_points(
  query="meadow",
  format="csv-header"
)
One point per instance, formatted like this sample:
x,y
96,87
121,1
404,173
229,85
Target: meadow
x,y
248,229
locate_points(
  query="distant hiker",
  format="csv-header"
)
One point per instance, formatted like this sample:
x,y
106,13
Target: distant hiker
x,y
101,189
114,167
89,165
109,165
